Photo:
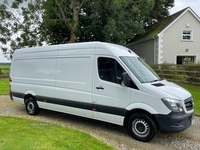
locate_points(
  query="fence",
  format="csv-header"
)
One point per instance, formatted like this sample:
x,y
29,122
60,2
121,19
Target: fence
x,y
4,72
188,74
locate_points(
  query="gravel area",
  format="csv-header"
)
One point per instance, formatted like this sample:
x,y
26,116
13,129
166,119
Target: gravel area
x,y
114,135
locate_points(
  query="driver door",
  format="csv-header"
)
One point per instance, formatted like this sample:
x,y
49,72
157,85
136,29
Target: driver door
x,y
110,97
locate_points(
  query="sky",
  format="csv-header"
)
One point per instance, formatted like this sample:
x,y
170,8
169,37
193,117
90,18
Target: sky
x,y
181,4
178,5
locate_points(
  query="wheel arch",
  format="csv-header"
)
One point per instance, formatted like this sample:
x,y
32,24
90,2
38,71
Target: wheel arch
x,y
140,108
28,94
137,110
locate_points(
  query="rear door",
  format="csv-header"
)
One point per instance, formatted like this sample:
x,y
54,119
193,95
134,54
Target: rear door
x,y
110,97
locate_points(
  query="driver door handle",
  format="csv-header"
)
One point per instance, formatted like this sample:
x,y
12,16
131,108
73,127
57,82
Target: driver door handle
x,y
100,88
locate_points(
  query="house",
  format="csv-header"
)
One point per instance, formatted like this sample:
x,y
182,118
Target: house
x,y
175,40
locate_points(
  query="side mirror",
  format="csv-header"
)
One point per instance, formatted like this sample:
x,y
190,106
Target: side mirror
x,y
125,79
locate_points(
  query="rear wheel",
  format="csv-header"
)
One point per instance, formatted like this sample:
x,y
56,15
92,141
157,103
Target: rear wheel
x,y
142,127
31,106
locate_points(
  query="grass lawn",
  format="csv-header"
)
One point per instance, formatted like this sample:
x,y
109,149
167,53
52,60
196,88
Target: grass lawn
x,y
4,66
18,133
4,69
4,86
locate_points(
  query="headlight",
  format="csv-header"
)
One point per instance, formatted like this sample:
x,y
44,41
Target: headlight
x,y
173,104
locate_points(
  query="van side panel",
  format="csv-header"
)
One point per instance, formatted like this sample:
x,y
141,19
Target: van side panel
x,y
74,82
36,75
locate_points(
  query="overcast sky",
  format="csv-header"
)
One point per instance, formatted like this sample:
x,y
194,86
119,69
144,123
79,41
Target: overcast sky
x,y
179,4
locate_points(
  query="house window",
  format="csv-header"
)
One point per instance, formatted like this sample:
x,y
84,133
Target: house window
x,y
185,59
187,35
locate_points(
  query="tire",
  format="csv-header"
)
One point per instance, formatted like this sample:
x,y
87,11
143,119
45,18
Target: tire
x,y
31,106
142,127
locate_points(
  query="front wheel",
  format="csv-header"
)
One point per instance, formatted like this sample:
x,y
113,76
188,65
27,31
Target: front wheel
x,y
32,107
142,127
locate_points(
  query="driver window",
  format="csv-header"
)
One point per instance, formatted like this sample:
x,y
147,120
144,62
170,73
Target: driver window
x,y
110,70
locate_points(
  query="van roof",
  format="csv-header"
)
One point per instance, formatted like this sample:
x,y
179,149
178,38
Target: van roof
x,y
111,49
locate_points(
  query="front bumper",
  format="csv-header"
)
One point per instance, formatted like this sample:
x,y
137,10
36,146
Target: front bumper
x,y
174,122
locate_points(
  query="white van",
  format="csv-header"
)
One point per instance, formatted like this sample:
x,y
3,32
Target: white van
x,y
101,81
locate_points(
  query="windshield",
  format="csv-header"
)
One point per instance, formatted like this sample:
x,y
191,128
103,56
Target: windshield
x,y
140,69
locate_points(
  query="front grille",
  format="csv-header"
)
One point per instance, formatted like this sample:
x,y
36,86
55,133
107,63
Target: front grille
x,y
189,104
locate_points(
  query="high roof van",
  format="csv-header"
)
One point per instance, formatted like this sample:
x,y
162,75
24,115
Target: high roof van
x,y
101,81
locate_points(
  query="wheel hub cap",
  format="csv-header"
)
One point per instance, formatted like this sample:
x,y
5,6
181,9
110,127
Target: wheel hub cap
x,y
140,127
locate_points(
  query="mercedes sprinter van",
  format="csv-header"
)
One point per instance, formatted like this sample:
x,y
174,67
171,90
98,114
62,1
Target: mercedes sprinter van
x,y
101,81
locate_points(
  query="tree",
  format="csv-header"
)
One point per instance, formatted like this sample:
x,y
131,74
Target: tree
x,y
62,14
114,21
92,21
109,20
19,25
159,11
67,21
126,19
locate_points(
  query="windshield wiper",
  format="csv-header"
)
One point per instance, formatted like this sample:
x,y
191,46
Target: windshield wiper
x,y
157,80
151,81
154,80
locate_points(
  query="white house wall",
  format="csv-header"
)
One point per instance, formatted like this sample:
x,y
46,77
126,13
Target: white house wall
x,y
171,43
160,49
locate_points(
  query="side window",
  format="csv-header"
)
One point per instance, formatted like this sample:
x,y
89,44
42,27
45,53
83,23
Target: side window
x,y
109,70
